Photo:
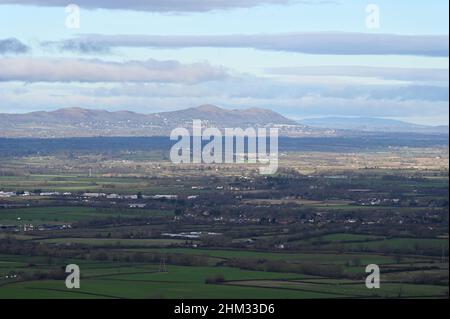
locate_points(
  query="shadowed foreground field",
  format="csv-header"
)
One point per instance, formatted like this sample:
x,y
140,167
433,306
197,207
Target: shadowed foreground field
x,y
110,280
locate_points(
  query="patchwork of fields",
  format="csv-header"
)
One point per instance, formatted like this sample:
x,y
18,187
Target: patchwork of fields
x,y
228,232
130,280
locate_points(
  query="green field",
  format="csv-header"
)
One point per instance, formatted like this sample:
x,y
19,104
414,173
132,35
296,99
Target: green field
x,y
142,281
80,184
364,242
408,243
69,214
287,236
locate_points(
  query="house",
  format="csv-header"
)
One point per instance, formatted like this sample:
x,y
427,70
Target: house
x,y
94,195
285,221
7,194
49,194
137,205
168,197
28,227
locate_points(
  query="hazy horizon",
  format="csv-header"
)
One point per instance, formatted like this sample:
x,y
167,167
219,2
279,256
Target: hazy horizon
x,y
298,119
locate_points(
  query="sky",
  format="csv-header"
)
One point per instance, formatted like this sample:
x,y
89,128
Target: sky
x,y
303,59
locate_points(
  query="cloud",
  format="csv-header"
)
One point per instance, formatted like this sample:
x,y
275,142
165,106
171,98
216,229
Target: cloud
x,y
391,93
256,88
398,74
83,70
273,90
312,107
13,46
85,47
324,43
162,5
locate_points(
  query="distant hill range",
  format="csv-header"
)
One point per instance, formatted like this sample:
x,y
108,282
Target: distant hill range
x,y
368,124
79,122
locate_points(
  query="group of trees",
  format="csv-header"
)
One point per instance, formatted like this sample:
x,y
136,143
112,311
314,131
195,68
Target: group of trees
x,y
333,271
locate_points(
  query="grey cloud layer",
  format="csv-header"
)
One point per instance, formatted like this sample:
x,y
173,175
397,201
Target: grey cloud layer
x,y
12,45
400,74
158,5
275,90
75,70
329,43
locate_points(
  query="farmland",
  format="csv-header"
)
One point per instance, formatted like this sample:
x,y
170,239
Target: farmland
x,y
139,227
112,280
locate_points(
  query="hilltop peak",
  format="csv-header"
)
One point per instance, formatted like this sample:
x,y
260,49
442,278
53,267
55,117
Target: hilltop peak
x,y
209,108
72,110
259,110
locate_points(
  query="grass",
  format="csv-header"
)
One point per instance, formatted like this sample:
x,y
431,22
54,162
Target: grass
x,y
401,243
146,290
80,184
347,237
69,214
105,280
179,282
353,289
